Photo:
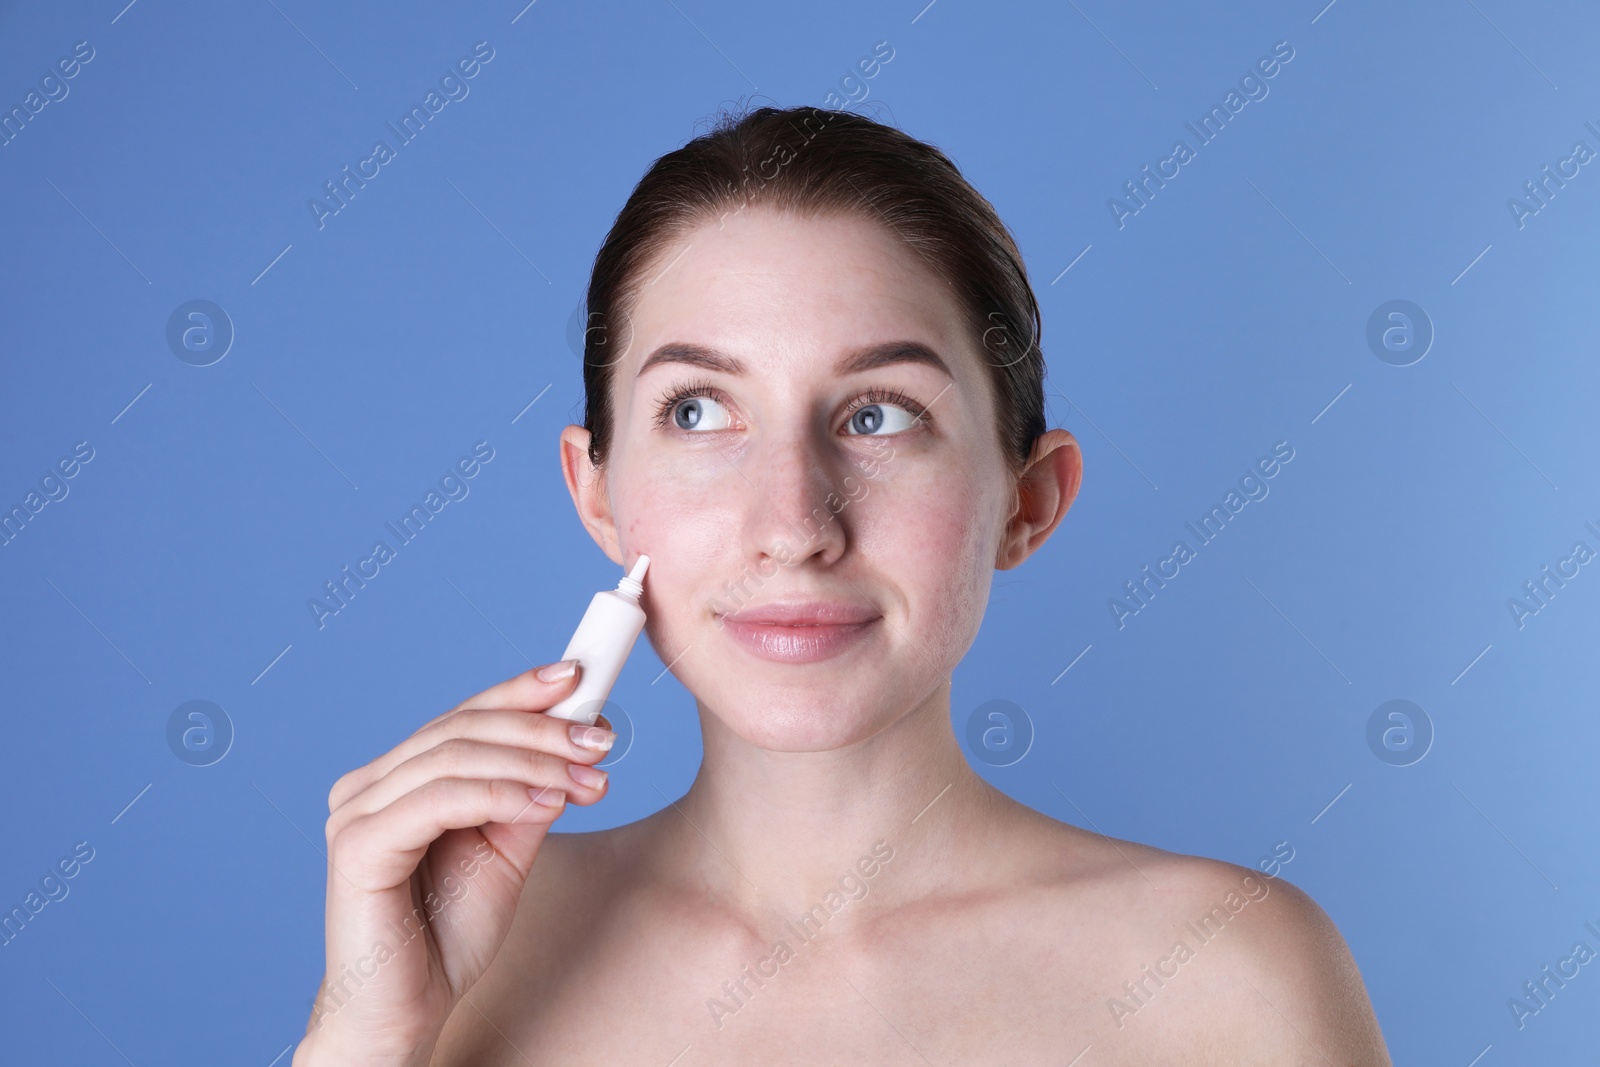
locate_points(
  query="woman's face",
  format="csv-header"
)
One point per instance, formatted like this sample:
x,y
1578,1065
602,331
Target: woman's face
x,y
804,432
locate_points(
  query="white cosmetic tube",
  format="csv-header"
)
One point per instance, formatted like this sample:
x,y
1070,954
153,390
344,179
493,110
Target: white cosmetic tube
x,y
601,645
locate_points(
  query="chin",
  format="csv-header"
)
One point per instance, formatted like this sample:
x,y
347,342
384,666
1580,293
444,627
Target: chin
x,y
799,719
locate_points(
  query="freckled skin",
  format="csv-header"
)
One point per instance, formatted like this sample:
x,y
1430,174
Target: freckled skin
x,y
995,934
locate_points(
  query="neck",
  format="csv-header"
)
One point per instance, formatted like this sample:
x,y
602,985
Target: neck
x,y
772,834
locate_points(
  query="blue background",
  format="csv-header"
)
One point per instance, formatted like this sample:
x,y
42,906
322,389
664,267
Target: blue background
x,y
1228,314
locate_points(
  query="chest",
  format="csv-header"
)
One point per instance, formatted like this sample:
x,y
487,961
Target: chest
x,y
677,990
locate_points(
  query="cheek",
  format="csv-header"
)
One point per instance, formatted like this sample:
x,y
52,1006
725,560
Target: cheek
x,y
956,581
683,520
933,535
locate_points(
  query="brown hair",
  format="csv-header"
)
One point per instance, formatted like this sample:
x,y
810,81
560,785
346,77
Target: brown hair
x,y
814,161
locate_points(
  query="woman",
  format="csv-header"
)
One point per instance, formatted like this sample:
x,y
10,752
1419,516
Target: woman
x,y
814,399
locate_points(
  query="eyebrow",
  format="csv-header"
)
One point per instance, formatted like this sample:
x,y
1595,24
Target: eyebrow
x,y
869,357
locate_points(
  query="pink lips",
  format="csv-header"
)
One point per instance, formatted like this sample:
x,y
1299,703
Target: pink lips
x,y
799,631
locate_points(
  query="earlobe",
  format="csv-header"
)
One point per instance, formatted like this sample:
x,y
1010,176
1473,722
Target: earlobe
x,y
1045,490
587,485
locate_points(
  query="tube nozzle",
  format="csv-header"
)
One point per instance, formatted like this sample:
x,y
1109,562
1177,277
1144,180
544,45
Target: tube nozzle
x,y
632,583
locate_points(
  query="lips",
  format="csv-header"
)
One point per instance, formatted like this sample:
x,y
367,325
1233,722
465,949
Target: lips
x,y
800,631
803,613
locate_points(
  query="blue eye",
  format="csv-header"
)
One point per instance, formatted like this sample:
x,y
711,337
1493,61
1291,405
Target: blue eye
x,y
871,419
699,413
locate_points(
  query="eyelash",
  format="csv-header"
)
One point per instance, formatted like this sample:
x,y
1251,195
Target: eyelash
x,y
699,388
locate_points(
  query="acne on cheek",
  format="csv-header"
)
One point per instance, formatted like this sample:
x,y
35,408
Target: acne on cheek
x,y
685,533
927,537
959,542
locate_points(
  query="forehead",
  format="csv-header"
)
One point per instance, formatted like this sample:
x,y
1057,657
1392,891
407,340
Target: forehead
x,y
775,286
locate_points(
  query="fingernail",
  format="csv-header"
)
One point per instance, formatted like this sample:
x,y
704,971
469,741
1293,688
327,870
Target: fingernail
x,y
592,777
555,672
550,798
591,737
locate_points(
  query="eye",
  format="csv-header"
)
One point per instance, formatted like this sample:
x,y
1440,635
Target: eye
x,y
699,413
694,409
880,414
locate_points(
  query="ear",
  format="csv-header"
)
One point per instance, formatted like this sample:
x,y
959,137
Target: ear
x,y
1045,490
587,484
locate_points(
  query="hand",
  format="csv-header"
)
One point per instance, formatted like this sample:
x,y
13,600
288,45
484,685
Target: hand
x,y
429,847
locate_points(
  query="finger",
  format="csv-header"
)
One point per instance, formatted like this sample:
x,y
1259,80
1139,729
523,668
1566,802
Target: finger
x,y
381,850
528,691
462,757
517,728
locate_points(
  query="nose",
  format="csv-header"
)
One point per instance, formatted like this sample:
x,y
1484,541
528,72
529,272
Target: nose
x,y
797,503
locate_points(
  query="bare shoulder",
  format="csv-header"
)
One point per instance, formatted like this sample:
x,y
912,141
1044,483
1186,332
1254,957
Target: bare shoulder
x,y
1211,960
1285,980
574,869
